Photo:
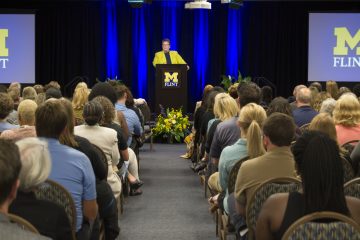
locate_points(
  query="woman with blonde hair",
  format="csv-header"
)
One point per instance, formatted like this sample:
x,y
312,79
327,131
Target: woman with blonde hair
x,y
347,118
80,97
333,89
250,121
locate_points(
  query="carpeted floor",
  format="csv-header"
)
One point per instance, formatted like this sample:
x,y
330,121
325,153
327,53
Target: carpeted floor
x,y
172,205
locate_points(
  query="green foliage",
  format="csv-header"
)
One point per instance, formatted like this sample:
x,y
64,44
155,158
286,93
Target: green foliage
x,y
173,125
227,81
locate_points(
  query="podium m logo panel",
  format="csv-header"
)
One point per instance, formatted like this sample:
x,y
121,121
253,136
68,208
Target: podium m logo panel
x,y
343,38
171,77
4,52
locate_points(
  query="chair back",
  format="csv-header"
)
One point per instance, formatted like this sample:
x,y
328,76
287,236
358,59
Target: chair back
x,y
352,188
306,228
263,192
56,193
348,170
102,155
22,223
349,146
233,174
304,127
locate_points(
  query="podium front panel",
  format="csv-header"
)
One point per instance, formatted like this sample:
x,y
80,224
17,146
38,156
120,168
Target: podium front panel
x,y
171,86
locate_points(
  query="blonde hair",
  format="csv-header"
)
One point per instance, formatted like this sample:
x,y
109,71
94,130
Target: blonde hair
x,y
35,160
333,89
29,93
251,119
318,100
324,123
225,107
80,97
26,112
347,111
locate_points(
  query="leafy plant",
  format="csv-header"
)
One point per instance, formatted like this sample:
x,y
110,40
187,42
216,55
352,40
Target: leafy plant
x,y
227,81
173,125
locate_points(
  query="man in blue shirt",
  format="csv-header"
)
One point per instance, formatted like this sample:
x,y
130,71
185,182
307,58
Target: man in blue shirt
x,y
71,168
304,113
132,119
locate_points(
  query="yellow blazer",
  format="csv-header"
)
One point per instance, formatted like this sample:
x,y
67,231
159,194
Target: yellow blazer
x,y
161,59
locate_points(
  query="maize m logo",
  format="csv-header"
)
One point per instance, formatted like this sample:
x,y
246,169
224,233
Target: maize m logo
x,y
350,58
4,52
171,80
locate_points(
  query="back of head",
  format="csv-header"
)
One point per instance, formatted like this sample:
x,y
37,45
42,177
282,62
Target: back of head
x,y
6,105
324,123
344,90
333,89
121,91
15,85
109,109
280,128
303,96
67,136
39,88
266,94
317,85
80,97
225,106
52,84
297,88
10,166
103,89
319,164
29,93
50,119
93,112
248,92
280,105
318,100
251,119
14,93
211,101
347,111
328,106
129,99
36,165
81,85
233,91
53,93
206,91
26,112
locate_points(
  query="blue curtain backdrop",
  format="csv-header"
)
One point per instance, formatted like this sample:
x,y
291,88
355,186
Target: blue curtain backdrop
x,y
209,41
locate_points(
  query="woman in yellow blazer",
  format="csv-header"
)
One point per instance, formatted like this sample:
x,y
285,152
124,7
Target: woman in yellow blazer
x,y
161,58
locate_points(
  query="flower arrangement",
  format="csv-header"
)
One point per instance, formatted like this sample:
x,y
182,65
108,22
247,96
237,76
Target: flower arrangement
x,y
172,125
227,81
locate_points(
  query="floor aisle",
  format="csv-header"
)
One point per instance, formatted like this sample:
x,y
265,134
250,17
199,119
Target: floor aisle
x,y
172,205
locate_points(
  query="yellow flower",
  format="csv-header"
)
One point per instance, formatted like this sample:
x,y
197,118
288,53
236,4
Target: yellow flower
x,y
173,121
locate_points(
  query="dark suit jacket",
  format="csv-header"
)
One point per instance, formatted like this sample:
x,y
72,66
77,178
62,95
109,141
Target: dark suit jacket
x,y
49,218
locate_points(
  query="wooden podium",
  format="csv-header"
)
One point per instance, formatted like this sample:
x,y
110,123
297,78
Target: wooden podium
x,y
171,86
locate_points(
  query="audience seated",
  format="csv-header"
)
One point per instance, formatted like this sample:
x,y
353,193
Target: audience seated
x,y
49,218
303,114
10,166
292,99
328,106
347,118
6,107
228,132
70,168
105,198
26,119
29,93
80,97
104,138
132,119
225,108
129,163
278,132
250,144
333,89
106,90
318,162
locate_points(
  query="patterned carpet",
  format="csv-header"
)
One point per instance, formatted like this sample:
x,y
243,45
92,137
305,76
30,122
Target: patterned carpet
x,y
172,205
